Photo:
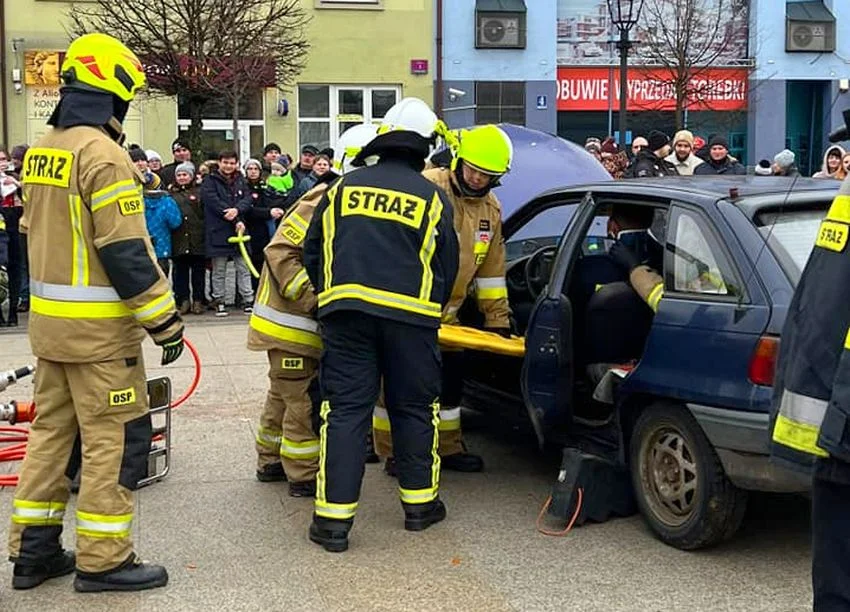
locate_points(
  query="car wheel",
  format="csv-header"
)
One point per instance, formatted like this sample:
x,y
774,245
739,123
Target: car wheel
x,y
679,482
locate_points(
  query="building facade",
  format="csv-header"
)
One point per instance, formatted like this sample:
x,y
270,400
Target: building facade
x,y
364,56
801,80
713,98
498,60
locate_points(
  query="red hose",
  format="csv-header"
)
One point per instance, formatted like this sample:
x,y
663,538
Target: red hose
x,y
20,435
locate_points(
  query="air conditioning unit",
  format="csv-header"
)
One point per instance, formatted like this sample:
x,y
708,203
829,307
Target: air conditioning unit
x,y
500,31
810,36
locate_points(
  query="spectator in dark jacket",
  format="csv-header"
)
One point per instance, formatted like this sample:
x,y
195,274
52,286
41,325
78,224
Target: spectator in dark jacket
x,y
181,153
783,164
4,261
17,158
11,211
649,160
227,200
305,164
261,212
187,241
718,161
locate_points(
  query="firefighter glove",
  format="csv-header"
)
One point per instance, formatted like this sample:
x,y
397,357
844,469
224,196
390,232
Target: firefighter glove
x,y
172,348
623,256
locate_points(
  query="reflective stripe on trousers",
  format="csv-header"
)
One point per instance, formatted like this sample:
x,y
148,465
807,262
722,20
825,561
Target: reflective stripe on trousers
x,y
37,513
449,419
798,423
428,494
270,438
309,449
104,525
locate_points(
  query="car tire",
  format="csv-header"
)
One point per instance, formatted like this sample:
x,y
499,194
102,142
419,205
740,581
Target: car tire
x,y
679,482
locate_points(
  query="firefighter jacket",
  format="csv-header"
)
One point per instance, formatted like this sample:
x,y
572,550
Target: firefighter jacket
x,y
95,286
648,284
481,259
382,242
284,311
812,388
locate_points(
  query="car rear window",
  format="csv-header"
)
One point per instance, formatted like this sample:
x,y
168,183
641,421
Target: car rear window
x,y
791,236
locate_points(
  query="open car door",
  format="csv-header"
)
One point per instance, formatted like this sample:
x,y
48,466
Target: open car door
x,y
547,370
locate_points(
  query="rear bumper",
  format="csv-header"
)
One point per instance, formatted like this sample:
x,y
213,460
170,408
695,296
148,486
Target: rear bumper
x,y
742,442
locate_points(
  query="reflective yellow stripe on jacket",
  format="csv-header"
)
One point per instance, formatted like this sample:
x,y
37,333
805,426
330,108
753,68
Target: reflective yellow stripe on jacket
x,y
380,297
655,296
284,326
492,288
798,423
87,302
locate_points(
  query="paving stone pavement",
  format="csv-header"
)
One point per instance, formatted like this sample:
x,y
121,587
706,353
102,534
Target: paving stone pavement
x,y
232,543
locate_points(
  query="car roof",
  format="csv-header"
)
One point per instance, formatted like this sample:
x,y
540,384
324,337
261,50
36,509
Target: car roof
x,y
715,187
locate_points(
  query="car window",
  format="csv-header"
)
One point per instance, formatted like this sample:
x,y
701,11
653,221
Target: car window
x,y
791,236
698,264
543,229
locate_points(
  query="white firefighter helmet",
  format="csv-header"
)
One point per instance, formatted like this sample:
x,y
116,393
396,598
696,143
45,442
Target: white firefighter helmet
x,y
411,115
349,144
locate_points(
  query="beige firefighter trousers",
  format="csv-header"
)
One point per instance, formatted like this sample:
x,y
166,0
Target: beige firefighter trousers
x,y
107,403
286,428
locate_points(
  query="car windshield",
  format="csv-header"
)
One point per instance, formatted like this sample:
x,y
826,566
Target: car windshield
x,y
544,229
791,236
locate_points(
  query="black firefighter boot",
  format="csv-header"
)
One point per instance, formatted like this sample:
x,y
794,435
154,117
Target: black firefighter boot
x,y
331,534
418,517
29,575
132,575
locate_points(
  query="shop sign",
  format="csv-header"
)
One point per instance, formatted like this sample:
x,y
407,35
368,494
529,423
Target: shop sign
x,y
650,88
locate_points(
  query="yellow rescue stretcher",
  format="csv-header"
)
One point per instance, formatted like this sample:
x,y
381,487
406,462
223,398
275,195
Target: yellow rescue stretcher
x,y
459,337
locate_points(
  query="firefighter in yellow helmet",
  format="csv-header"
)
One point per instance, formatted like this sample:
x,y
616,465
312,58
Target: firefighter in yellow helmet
x,y
95,291
283,323
483,156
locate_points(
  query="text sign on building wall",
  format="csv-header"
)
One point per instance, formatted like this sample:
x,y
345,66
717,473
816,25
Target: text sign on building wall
x,y
418,66
589,89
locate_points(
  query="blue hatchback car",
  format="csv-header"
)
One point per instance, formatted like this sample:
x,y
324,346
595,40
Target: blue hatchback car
x,y
692,409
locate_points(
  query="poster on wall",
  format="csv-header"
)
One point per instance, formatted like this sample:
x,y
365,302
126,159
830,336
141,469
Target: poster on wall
x,y
709,31
42,81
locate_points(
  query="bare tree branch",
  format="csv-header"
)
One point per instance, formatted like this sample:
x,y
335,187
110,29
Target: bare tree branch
x,y
687,38
203,50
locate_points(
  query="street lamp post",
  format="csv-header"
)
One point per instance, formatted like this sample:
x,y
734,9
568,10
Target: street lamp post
x,y
624,15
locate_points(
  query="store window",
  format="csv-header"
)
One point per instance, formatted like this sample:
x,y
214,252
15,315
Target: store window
x,y
326,111
500,102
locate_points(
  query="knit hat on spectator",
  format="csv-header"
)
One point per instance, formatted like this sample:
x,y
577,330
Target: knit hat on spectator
x,y
718,141
327,151
152,155
657,140
253,162
276,167
272,146
178,144
763,168
138,155
185,167
310,150
683,136
784,159
609,147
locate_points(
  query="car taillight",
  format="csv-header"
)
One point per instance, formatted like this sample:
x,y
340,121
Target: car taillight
x,y
763,363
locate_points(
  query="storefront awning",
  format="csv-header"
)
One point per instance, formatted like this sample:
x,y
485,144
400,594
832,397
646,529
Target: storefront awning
x,y
500,6
808,11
